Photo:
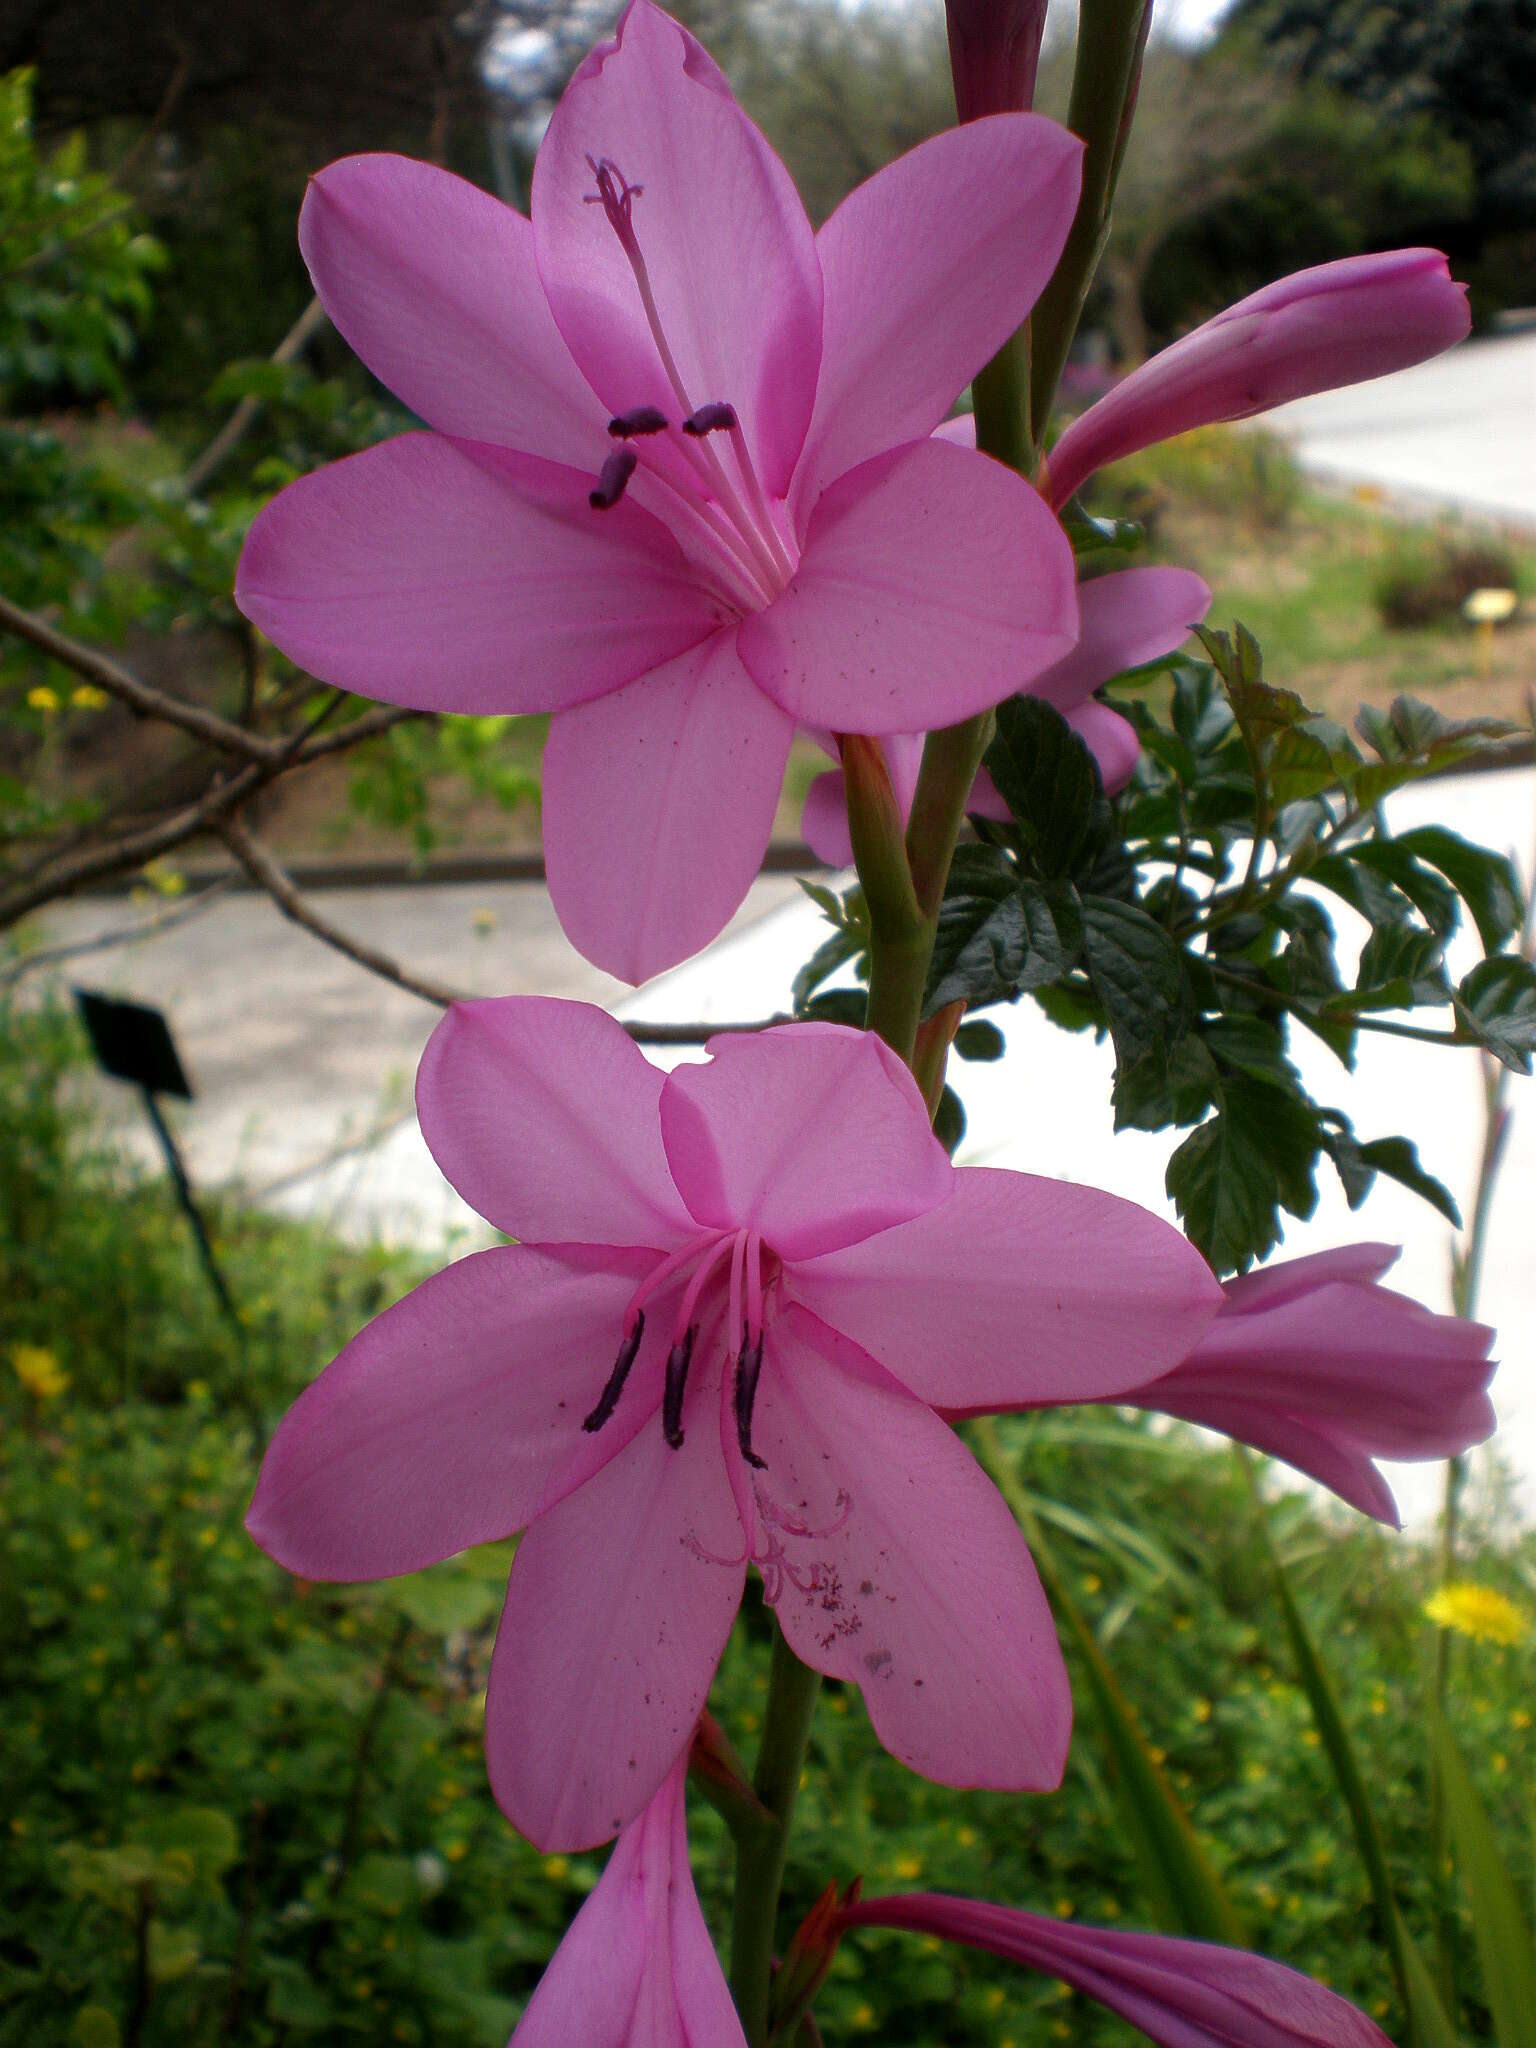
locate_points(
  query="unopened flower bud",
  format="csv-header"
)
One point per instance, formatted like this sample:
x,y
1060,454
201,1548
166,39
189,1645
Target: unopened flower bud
x,y
994,53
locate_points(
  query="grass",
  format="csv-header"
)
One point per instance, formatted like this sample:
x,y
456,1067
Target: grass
x,y
207,1846
1301,568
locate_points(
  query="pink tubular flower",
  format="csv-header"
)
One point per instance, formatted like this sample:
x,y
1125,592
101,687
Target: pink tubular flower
x,y
1340,323
1128,617
739,1294
1184,1994
1313,1362
637,1968
994,54
680,488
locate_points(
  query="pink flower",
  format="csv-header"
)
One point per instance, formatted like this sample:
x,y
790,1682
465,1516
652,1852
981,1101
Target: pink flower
x,y
739,1294
1128,617
1338,324
680,488
637,1968
1185,1994
1313,1362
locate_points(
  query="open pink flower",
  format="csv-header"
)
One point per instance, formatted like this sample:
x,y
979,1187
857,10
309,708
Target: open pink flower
x,y
1340,323
1128,617
1312,1361
1184,1994
637,1968
680,490
739,1294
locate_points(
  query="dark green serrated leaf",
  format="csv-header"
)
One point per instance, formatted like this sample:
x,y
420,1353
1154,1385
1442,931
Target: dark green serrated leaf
x,y
1398,1159
1161,1090
838,1006
1356,1178
1231,1177
1434,900
1138,975
979,1040
1497,1004
949,1121
1070,1005
1008,937
1372,895
828,957
1486,882
1401,966
1050,783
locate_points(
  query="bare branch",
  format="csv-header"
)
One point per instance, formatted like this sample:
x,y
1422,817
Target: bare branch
x,y
266,874
119,935
140,697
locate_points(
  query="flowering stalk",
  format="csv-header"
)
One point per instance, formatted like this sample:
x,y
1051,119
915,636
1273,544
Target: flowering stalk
x,y
1111,37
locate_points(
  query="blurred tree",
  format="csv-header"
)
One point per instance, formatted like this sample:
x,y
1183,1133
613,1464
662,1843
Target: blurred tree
x,y
1467,65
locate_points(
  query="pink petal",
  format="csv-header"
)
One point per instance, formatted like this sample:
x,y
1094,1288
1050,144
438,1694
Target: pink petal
x,y
894,1564
934,583
456,577
1329,1371
930,265
544,1114
637,1968
659,803
448,1419
620,1603
1111,740
433,283
813,1134
730,253
1017,1290
1184,1994
1340,323
1284,1280
1128,617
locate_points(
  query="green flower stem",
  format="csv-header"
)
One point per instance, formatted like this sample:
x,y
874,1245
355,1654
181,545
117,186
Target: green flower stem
x,y
792,1690
1111,36
900,933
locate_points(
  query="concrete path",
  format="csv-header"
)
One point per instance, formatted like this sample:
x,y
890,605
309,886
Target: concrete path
x,y
296,1052
1459,431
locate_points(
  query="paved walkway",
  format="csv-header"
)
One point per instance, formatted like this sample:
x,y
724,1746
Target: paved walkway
x,y
296,1052
1459,431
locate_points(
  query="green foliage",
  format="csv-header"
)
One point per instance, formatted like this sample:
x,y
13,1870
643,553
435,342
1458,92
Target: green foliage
x,y
76,266
202,1832
1188,921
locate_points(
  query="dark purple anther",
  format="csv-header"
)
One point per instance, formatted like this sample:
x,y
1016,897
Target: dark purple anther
x,y
679,1358
645,419
616,473
717,418
749,1364
608,1400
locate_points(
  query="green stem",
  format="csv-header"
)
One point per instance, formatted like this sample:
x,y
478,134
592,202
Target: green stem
x,y
792,1690
1110,37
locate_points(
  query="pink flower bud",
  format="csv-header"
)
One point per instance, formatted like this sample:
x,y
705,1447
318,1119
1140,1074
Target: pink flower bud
x,y
994,51
1312,1361
1185,1994
1341,323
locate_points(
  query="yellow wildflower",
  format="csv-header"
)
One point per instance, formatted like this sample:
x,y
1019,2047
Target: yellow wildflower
x,y
1477,1611
43,699
86,697
39,1371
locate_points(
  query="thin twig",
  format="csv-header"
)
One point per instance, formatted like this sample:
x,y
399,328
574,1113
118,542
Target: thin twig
x,y
249,410
120,935
140,697
265,872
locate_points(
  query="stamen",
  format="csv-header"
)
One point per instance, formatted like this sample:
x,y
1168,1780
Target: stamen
x,y
608,1400
645,419
616,472
715,418
749,1366
679,1358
